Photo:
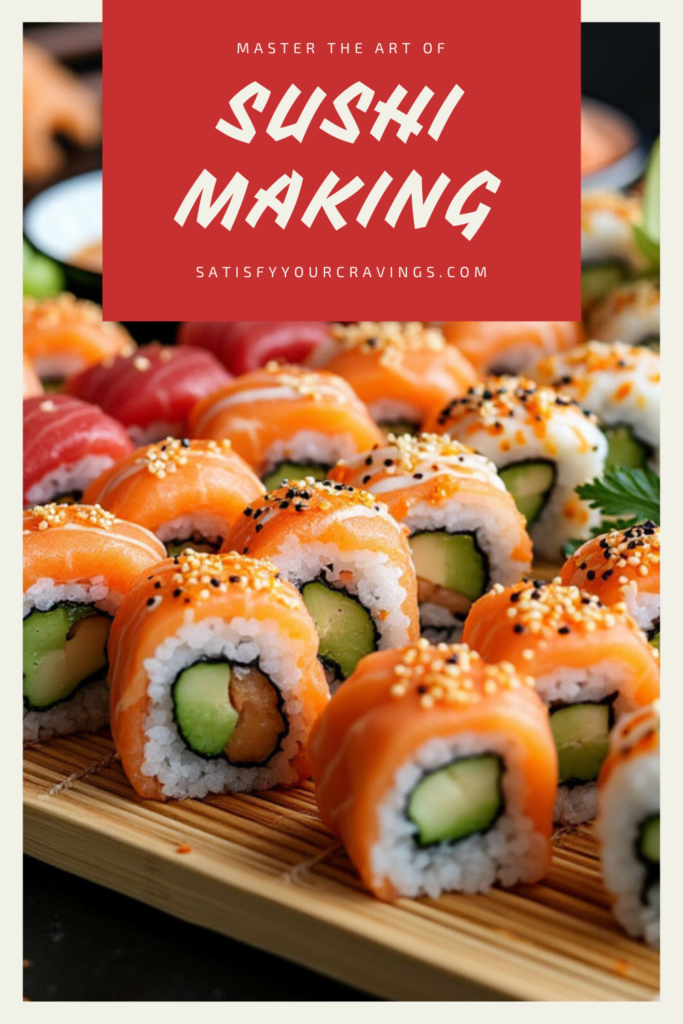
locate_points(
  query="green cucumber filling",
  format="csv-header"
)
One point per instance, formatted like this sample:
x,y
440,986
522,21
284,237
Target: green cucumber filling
x,y
647,851
581,734
653,633
64,649
197,542
229,710
399,427
448,562
293,471
625,450
651,342
346,632
530,483
599,278
462,798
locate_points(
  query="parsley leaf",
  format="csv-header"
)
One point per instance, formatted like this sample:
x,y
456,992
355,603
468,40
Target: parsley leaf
x,y
625,497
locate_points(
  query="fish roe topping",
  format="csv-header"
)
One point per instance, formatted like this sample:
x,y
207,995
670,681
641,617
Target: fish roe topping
x,y
452,674
306,383
66,308
598,357
544,610
496,399
390,338
169,455
625,208
195,577
639,297
42,517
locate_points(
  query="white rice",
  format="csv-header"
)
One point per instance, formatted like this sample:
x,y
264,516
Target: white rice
x,y
210,526
157,430
510,852
67,478
389,410
310,446
645,608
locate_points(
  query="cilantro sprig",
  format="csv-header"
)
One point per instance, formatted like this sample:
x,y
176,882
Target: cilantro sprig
x,y
624,497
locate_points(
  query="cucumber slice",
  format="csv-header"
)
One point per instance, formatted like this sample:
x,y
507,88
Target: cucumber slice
x,y
204,713
64,648
451,560
651,342
648,840
581,734
654,640
176,547
599,278
293,471
400,427
346,632
626,451
530,484
456,801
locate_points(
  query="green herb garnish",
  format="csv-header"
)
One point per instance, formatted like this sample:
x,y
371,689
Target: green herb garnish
x,y
647,234
625,497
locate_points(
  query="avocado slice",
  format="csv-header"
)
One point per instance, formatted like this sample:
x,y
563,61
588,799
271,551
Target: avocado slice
x,y
654,640
599,278
64,648
204,713
293,471
648,840
625,451
451,560
530,484
581,735
346,632
400,427
176,547
458,800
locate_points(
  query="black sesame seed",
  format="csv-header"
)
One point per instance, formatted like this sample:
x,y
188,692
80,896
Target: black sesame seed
x,y
564,630
157,585
151,601
259,527
234,579
215,582
590,575
177,592
518,627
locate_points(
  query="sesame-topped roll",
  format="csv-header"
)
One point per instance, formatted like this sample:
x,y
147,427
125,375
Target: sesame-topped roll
x,y
215,682
511,346
544,446
400,370
189,493
621,385
622,565
609,252
630,313
465,531
591,663
349,558
79,561
287,422
437,771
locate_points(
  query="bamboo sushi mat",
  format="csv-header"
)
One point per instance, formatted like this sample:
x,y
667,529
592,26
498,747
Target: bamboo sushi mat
x,y
265,870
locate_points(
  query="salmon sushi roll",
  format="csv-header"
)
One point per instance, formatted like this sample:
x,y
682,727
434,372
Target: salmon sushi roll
x,y
438,772
32,385
508,346
287,422
215,683
543,444
465,531
153,390
188,493
349,558
591,663
67,444
246,345
79,561
609,251
621,385
401,371
622,566
65,334
628,823
630,313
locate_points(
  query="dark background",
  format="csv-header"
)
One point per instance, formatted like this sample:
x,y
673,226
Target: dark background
x,y
86,943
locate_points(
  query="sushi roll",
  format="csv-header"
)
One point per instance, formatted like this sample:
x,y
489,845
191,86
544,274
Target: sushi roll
x,y
628,823
67,444
544,446
215,682
400,371
622,566
465,531
609,252
151,391
32,385
505,346
287,422
620,384
591,663
630,314
79,561
64,335
246,345
348,557
438,772
188,493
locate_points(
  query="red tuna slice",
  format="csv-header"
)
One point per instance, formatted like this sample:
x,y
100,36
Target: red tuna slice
x,y
246,345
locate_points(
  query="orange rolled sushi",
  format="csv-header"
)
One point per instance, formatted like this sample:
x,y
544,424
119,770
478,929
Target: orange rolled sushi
x,y
79,561
32,385
591,663
64,335
510,346
349,558
622,566
189,493
401,371
438,772
287,422
215,682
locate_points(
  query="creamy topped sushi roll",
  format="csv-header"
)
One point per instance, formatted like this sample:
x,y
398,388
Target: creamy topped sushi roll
x,y
400,370
510,346
630,313
622,566
465,532
287,422
620,384
543,444
349,558
592,665
188,493
609,252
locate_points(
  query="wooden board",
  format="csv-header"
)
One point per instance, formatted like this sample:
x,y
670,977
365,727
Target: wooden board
x,y
265,870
